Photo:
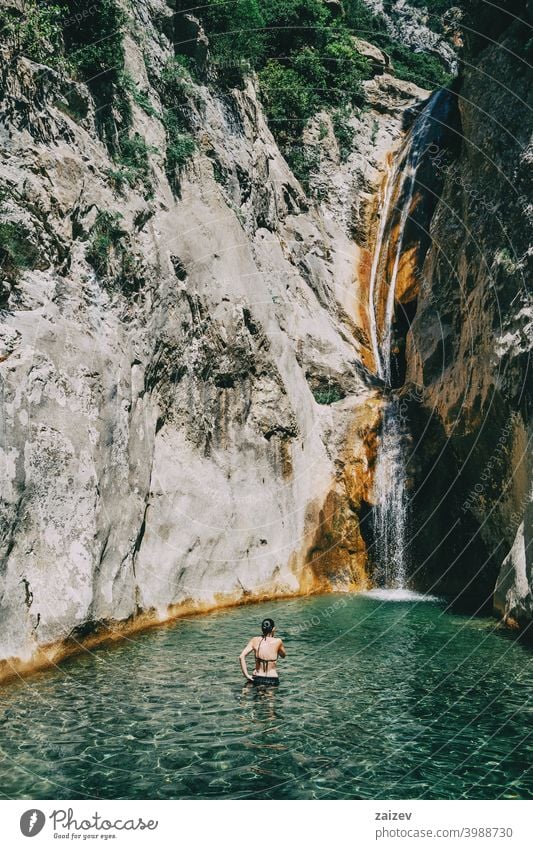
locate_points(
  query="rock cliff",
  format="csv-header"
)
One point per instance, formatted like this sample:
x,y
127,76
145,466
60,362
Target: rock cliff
x,y
186,422
413,24
189,410
468,387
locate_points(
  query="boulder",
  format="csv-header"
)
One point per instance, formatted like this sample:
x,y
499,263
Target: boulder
x,y
380,61
335,7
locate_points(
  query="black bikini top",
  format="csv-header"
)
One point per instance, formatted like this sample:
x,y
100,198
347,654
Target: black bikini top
x,y
262,660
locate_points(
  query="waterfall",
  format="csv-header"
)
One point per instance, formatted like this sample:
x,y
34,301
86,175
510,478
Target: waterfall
x,y
390,500
388,191
391,507
398,193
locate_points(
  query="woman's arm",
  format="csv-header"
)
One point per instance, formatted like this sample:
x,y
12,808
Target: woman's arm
x,y
281,649
242,659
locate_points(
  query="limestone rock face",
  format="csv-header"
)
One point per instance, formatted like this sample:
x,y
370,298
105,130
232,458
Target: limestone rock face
x,y
188,418
187,425
379,60
411,25
469,347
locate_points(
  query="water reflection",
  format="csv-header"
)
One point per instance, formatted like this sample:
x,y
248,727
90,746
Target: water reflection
x,y
264,696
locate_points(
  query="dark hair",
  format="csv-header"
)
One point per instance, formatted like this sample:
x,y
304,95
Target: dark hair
x,y
267,625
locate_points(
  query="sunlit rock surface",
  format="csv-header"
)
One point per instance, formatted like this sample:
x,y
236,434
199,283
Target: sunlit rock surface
x,y
416,27
200,433
197,426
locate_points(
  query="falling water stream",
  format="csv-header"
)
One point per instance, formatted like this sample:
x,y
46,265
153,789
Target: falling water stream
x,y
391,500
398,193
390,492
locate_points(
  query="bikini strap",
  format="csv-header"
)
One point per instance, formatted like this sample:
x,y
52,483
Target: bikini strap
x,y
261,659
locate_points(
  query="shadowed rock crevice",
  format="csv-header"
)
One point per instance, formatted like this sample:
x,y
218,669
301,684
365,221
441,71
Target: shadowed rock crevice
x,y
469,347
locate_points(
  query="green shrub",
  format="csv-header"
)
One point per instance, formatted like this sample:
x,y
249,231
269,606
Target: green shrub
x,y
95,51
16,250
328,395
344,132
180,147
306,60
304,162
346,70
109,254
137,95
175,89
37,32
236,37
421,68
130,273
105,237
294,24
309,64
289,100
174,83
88,43
361,20
134,156
132,159
291,95
121,178
259,31
94,42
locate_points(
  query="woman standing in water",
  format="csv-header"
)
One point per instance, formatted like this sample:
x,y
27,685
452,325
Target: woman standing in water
x,y
267,649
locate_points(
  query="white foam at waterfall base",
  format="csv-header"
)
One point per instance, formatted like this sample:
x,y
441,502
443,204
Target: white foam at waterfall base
x,y
399,595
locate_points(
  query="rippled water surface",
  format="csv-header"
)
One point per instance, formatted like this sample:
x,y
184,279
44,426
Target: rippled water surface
x,y
381,696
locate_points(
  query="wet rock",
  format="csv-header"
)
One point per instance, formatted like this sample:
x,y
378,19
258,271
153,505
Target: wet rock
x,y
469,345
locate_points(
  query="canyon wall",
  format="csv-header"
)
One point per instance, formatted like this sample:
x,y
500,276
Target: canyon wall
x,y
468,388
189,405
187,424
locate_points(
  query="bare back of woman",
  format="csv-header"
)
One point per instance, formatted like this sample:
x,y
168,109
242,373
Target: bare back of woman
x,y
267,649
